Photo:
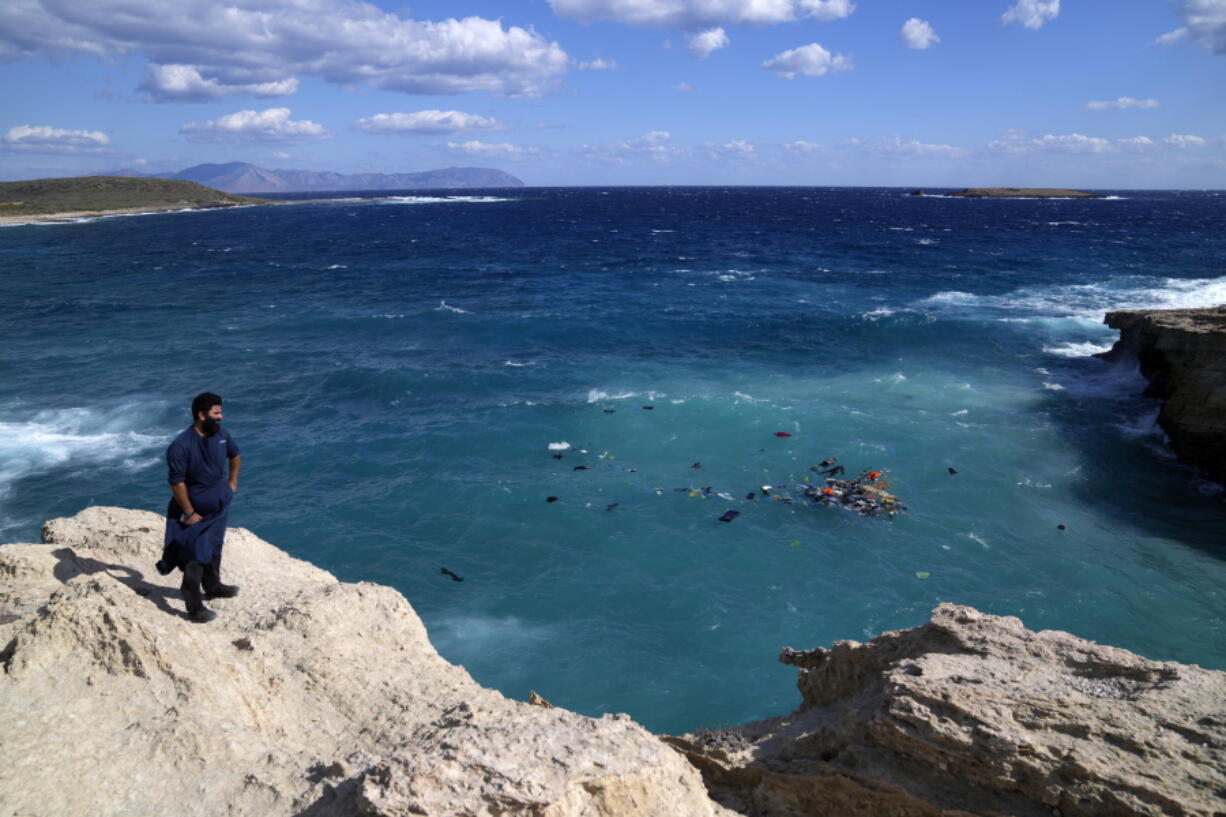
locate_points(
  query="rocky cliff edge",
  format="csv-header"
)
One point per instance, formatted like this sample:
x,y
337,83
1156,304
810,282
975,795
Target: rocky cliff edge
x,y
1182,352
313,697
307,696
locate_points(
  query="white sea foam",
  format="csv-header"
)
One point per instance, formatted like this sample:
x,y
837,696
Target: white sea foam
x,y
518,365
877,314
561,446
441,199
1087,302
77,436
443,306
743,396
1047,384
1077,349
337,266
928,242
1145,425
596,395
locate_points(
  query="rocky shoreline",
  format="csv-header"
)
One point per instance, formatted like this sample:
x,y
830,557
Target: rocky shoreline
x,y
1182,352
310,696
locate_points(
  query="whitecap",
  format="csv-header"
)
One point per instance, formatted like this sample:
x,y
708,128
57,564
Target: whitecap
x,y
519,365
878,313
742,396
76,436
596,395
444,306
1084,349
1047,384
561,446
928,242
337,266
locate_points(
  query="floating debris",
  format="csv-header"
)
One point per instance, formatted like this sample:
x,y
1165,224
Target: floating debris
x,y
729,516
454,577
866,494
551,499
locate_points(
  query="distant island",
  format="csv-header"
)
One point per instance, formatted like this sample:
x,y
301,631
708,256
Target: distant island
x,y
241,177
74,197
1023,193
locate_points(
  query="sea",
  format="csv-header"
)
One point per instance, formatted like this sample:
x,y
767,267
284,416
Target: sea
x,y
412,379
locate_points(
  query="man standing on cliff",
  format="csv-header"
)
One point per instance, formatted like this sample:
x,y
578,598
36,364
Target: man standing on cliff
x,y
200,505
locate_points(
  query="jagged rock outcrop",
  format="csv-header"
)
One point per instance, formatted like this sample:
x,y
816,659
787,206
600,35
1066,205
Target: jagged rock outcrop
x,y
1182,352
307,696
317,698
974,714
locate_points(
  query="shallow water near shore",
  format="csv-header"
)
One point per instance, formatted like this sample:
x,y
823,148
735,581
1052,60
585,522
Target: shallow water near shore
x,y
396,372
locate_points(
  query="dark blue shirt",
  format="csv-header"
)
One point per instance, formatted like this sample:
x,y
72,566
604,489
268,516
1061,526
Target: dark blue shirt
x,y
201,462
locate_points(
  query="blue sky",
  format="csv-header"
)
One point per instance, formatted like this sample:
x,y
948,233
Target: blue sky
x,y
1083,93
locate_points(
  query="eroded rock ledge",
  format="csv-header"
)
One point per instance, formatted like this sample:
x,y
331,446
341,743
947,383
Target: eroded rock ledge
x,y
975,714
313,697
1182,352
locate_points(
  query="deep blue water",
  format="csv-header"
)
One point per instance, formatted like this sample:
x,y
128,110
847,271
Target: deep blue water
x,y
395,373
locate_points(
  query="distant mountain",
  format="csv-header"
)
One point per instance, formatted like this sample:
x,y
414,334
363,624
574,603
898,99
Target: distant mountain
x,y
241,177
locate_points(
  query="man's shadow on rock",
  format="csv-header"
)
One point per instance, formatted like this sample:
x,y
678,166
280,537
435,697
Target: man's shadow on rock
x,y
71,565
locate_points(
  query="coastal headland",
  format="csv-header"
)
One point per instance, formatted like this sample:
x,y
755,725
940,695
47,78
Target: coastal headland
x,y
1182,352
1023,193
311,696
67,199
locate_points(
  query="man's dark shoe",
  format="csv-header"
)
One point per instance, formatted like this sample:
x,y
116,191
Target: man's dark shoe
x,y
222,591
202,616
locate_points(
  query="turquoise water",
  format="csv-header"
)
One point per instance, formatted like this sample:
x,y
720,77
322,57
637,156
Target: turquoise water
x,y
396,372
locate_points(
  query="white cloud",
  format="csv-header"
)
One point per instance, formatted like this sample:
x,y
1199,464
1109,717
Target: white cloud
x,y
184,83
241,46
1171,37
1031,13
1016,142
269,125
45,139
430,121
1185,140
684,87
598,64
487,150
1135,143
918,34
696,14
1205,21
735,149
654,145
896,146
809,60
1122,103
803,148
706,42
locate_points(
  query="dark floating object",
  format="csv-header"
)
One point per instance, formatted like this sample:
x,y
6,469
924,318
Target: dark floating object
x,y
751,496
609,411
782,434
551,499
707,490
649,408
454,577
826,463
696,465
611,507
557,456
1061,527
953,470
729,516
580,468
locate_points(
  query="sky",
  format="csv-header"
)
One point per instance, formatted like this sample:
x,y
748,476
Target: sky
x,y
1114,94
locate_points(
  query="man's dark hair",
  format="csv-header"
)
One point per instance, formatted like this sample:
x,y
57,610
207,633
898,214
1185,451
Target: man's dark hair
x,y
203,402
